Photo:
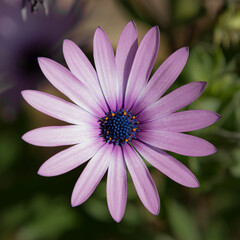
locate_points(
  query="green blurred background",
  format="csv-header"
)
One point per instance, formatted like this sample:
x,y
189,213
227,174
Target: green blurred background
x,y
37,208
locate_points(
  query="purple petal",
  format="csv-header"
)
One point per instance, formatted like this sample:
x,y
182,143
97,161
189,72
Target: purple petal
x,y
69,85
59,108
125,53
81,67
70,158
167,165
60,135
142,180
162,79
106,67
177,99
177,142
79,64
117,185
184,121
142,66
92,175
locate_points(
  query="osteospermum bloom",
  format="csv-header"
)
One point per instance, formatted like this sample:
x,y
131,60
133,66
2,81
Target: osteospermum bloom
x,y
118,117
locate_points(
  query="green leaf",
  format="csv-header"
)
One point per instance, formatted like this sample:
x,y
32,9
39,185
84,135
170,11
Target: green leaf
x,y
186,10
235,169
50,218
182,221
97,209
216,231
199,66
9,149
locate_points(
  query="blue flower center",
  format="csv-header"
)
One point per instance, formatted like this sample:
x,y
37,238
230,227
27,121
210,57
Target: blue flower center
x,y
119,127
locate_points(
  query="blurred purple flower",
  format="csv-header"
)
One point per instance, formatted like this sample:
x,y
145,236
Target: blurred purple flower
x,y
22,42
117,118
35,5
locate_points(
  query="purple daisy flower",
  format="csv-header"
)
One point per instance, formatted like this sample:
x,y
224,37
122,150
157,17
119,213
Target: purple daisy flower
x,y
118,117
22,42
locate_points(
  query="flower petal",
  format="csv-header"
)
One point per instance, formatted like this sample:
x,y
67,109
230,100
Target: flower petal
x,y
70,158
92,175
117,185
142,180
69,85
60,135
79,64
167,164
125,53
81,67
177,142
162,79
177,99
184,121
59,108
106,67
142,66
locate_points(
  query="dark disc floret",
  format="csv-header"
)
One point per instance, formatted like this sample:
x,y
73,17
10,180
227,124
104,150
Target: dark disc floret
x,y
119,127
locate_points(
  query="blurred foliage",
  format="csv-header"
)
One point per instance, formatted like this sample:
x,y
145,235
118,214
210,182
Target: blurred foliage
x,y
227,30
182,222
43,218
37,208
172,17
